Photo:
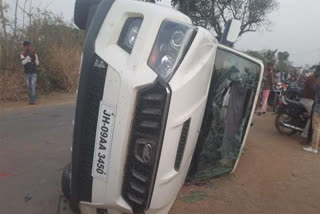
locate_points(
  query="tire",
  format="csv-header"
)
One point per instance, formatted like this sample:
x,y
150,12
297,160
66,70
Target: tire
x,y
81,13
282,130
66,181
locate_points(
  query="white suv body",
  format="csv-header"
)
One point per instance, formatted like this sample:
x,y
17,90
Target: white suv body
x,y
138,117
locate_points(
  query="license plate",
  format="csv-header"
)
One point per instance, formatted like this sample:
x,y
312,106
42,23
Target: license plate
x,y
105,125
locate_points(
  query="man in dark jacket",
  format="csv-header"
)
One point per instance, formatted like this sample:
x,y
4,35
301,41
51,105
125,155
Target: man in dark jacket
x,y
315,116
309,93
30,62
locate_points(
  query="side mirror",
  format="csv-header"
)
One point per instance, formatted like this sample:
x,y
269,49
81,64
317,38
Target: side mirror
x,y
231,32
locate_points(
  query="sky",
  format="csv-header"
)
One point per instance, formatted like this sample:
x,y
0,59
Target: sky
x,y
295,28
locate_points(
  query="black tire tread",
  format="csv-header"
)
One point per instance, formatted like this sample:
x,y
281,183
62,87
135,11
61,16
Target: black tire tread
x,y
81,12
65,181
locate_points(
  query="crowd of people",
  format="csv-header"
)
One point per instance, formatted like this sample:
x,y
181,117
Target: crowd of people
x,y
310,99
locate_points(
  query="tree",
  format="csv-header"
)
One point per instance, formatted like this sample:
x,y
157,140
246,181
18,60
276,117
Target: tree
x,y
279,59
283,63
4,34
3,19
15,19
256,54
270,56
266,56
283,56
23,10
214,14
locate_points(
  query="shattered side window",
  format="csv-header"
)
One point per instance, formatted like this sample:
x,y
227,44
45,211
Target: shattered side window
x,y
230,102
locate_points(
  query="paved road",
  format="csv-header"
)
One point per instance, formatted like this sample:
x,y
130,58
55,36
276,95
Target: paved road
x,y
34,147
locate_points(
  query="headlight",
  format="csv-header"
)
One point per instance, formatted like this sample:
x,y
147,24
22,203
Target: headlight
x,y
129,33
170,47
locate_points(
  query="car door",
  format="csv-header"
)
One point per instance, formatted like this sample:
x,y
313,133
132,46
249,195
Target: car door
x,y
232,98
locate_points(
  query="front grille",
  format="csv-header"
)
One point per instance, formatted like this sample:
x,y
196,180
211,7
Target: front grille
x,y
145,146
94,93
182,144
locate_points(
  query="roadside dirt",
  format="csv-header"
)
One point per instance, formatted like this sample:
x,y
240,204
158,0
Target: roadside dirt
x,y
273,176
45,100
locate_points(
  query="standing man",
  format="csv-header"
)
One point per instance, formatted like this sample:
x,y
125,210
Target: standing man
x,y
309,94
267,86
30,62
315,116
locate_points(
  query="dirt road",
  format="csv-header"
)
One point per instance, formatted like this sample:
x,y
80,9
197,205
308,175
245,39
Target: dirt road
x,y
274,175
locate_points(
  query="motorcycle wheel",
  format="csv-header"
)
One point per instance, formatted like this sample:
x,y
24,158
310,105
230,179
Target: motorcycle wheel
x,y
282,117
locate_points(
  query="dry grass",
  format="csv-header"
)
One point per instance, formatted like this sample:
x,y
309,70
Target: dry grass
x,y
12,86
59,73
63,68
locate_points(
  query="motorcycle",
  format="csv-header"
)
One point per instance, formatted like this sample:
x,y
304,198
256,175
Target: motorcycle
x,y
275,95
293,92
292,117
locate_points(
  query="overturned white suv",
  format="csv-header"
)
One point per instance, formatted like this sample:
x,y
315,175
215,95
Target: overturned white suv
x,y
159,101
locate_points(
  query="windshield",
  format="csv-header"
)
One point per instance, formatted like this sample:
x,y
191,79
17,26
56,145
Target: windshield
x,y
230,103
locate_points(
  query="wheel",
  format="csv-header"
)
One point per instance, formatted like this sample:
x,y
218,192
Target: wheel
x,y
66,181
282,118
83,12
